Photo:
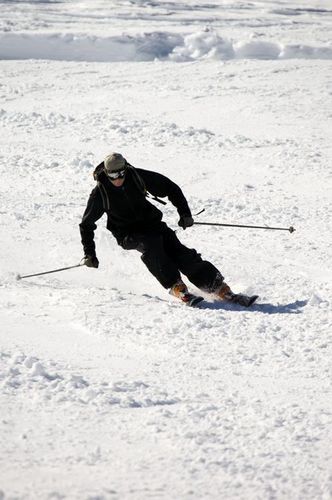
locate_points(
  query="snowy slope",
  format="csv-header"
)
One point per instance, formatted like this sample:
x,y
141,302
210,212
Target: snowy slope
x,y
110,388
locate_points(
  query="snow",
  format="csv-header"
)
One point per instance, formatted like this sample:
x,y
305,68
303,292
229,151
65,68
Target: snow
x,y
109,387
206,44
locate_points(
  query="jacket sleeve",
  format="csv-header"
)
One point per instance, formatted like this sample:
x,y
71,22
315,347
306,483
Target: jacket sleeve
x,y
161,186
94,210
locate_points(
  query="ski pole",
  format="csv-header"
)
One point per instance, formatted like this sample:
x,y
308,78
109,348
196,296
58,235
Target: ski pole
x,y
19,277
291,229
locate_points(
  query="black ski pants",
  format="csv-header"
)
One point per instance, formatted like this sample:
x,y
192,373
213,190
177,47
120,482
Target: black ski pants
x,y
166,257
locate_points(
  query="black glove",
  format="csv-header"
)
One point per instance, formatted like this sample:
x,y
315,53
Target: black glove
x,y
90,261
186,221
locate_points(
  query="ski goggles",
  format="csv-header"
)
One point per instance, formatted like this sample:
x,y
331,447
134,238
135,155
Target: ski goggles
x,y
118,174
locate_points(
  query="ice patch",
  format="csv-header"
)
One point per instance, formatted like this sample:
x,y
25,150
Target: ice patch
x,y
206,44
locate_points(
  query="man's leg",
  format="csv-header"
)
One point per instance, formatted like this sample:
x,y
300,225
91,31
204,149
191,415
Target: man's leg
x,y
200,272
155,258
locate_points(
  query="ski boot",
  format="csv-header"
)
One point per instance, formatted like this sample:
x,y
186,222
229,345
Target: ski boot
x,y
225,293
180,291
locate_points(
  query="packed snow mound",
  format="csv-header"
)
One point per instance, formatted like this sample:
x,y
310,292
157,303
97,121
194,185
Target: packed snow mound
x,y
206,44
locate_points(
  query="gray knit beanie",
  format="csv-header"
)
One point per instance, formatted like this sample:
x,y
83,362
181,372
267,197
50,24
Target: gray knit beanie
x,y
114,162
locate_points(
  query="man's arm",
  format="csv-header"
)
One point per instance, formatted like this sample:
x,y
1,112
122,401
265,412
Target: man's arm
x,y
94,210
161,186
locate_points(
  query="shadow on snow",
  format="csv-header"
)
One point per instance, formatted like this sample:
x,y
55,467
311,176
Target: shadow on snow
x,y
265,308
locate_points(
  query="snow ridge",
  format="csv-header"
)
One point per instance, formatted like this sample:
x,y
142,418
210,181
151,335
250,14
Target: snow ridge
x,y
203,44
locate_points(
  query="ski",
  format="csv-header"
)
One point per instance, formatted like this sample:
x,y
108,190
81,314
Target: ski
x,y
244,300
191,300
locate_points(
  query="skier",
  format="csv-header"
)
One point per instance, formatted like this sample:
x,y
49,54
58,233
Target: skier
x,y
121,193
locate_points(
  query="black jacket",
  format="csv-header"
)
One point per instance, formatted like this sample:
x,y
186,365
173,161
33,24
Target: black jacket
x,y
127,207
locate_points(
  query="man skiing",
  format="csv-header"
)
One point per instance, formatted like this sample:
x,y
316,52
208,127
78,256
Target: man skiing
x,y
121,193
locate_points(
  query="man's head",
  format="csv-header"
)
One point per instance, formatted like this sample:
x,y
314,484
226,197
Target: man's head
x,y
115,167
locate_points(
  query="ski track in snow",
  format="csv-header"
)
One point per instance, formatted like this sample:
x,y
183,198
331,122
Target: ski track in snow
x,y
109,387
